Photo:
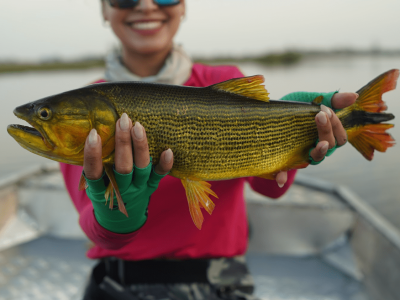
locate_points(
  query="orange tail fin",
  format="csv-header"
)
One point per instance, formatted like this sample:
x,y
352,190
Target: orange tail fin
x,y
362,120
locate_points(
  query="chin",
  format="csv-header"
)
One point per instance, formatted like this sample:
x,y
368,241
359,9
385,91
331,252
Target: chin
x,y
151,48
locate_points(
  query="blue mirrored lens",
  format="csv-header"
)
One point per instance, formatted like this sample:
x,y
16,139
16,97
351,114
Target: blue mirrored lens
x,y
132,3
166,2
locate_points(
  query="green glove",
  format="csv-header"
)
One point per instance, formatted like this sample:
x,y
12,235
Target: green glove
x,y
135,188
309,97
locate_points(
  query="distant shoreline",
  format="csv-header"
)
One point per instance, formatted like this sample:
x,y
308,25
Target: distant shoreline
x,y
283,58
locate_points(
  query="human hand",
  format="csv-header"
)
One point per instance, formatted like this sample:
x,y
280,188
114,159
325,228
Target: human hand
x,y
134,174
125,134
330,130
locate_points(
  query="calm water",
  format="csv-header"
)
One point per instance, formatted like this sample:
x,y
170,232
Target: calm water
x,y
378,182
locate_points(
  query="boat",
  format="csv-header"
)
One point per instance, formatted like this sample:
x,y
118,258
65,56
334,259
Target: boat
x,y
318,241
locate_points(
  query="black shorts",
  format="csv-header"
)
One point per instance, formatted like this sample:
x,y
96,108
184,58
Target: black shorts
x,y
200,279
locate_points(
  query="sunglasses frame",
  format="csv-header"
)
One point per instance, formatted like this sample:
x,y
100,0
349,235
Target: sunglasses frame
x,y
132,3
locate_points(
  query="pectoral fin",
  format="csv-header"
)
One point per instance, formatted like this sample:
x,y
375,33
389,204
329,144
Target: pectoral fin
x,y
82,183
114,187
197,193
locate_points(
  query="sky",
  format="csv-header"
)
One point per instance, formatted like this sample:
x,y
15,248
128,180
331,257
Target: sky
x,y
45,29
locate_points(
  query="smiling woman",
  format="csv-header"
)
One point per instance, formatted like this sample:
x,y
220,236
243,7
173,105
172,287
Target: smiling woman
x,y
146,32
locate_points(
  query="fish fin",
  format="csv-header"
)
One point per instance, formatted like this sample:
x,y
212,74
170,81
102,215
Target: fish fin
x,y
82,183
109,194
318,100
362,120
370,96
121,206
371,137
197,193
247,86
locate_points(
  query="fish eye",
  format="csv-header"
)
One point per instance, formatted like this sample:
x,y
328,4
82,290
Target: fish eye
x,y
44,113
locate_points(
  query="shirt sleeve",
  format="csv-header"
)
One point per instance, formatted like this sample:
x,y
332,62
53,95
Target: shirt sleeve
x,y
93,230
101,236
269,187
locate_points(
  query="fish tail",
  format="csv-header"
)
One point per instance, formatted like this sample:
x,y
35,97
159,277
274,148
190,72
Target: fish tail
x,y
363,120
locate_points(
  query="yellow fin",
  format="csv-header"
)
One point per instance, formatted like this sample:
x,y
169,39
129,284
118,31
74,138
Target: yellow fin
x,y
371,137
110,191
247,86
318,100
82,183
197,195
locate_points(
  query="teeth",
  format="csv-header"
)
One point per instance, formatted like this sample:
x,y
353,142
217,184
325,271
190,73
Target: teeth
x,y
146,25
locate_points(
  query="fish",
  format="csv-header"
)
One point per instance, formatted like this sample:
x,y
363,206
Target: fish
x,y
227,130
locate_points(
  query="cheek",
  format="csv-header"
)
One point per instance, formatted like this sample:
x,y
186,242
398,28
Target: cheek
x,y
71,136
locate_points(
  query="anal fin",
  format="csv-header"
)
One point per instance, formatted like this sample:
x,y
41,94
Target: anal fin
x,y
197,193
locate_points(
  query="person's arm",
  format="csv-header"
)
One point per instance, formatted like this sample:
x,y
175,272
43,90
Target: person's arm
x,y
87,221
134,173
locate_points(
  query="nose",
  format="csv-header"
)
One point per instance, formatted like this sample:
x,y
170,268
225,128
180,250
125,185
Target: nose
x,y
24,110
146,5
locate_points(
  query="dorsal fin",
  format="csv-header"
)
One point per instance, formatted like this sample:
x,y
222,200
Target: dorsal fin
x,y
246,86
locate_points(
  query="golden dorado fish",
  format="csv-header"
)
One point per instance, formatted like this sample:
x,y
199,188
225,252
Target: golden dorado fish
x,y
227,130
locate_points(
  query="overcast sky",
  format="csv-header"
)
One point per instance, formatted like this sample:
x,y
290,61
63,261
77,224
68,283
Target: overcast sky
x,y
38,29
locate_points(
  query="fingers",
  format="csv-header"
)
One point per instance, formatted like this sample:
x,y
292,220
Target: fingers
x,y
342,100
281,178
123,145
166,162
330,131
125,135
338,130
319,152
92,162
324,126
141,148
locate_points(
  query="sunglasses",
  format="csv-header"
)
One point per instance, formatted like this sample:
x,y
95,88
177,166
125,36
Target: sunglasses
x,y
133,3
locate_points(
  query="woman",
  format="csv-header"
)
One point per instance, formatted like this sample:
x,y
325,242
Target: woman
x,y
157,252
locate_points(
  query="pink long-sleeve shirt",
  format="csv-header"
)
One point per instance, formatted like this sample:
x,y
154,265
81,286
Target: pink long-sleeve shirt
x,y
169,231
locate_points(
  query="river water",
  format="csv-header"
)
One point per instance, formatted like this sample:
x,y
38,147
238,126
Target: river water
x,y
378,181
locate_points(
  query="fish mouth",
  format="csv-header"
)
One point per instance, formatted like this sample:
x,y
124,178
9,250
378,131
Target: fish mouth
x,y
26,129
29,138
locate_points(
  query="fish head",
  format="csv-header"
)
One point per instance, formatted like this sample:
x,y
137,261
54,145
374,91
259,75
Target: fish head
x,y
61,124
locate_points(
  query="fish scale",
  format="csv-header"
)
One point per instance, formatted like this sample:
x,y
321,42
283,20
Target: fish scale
x,y
223,131
212,133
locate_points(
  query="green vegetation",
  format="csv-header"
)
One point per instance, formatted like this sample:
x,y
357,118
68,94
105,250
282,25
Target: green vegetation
x,y
286,58
51,66
283,58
